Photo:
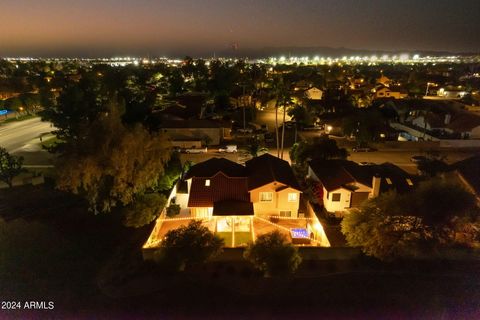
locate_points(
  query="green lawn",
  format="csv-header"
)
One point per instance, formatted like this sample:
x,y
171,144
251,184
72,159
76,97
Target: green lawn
x,y
20,118
227,237
243,238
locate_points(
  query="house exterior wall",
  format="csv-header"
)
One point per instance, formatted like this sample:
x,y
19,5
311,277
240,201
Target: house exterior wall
x,y
279,200
215,134
314,94
264,208
201,212
283,203
336,206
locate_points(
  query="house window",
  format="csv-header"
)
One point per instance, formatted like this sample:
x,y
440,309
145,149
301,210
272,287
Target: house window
x,y
336,197
285,213
292,197
266,196
207,183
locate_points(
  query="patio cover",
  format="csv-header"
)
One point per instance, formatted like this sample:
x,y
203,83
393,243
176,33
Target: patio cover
x,y
232,208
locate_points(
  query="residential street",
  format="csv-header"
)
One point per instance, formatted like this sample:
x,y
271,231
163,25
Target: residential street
x,y
22,138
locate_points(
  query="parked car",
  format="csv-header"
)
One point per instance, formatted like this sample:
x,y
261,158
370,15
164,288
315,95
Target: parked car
x,y
231,148
196,150
418,159
363,149
246,130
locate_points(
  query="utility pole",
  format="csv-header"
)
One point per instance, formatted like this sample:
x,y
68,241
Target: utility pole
x,y
243,106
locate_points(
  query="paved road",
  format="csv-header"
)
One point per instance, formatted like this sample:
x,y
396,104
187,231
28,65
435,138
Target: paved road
x,y
23,138
267,116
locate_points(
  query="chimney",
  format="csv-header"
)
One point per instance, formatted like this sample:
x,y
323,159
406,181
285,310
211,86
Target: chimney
x,y
376,180
448,117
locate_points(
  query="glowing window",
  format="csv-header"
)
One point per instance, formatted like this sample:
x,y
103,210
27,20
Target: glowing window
x,y
389,181
266,196
207,183
292,197
410,183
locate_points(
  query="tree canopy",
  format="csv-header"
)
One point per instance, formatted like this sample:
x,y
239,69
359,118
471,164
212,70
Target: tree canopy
x,y
189,246
320,148
391,226
10,166
273,254
145,209
109,166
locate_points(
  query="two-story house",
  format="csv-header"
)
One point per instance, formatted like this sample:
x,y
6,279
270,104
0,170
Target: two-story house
x,y
265,186
345,184
273,187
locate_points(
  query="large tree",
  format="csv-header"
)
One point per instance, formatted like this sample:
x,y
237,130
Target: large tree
x,y
145,209
319,148
113,162
10,166
393,225
383,236
77,107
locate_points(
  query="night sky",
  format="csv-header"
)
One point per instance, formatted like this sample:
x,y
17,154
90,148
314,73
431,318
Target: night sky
x,y
199,27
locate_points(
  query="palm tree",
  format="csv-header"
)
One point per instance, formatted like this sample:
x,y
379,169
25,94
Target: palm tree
x,y
279,93
285,101
254,148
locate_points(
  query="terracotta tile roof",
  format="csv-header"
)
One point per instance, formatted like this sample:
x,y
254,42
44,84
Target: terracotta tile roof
x,y
334,174
266,169
221,188
212,166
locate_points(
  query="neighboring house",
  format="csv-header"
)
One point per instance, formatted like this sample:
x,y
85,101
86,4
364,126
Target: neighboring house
x,y
264,187
384,92
345,184
461,124
384,81
212,132
314,93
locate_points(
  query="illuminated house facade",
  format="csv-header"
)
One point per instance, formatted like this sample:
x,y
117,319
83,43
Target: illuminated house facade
x,y
240,203
230,195
266,186
343,184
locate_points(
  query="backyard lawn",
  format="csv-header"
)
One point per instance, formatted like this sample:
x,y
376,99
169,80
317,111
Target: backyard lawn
x,y
241,238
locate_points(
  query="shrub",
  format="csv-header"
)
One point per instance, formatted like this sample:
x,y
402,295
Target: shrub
x,y
273,255
189,246
173,210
